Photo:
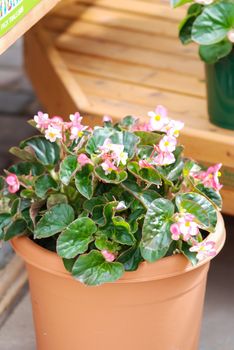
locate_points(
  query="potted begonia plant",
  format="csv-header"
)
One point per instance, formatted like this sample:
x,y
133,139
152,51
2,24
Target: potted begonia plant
x,y
210,24
117,207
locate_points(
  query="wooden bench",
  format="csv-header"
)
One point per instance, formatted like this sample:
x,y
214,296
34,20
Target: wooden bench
x,y
121,57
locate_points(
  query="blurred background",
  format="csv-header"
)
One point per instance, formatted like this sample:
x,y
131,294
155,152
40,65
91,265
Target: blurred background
x,y
18,103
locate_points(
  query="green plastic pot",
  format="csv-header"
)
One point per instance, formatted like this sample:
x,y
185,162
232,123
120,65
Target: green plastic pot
x,y
220,91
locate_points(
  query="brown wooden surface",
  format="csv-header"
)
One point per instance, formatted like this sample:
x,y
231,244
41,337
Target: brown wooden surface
x,y
40,10
123,57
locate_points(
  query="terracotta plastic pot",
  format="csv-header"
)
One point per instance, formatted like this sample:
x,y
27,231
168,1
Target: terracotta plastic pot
x,y
157,307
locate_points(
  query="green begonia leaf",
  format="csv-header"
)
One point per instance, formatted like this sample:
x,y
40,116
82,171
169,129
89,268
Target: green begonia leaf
x,y
148,138
148,175
144,196
47,153
84,181
122,231
44,184
54,221
76,237
214,23
191,256
5,220
212,53
102,243
67,169
211,194
199,206
156,236
69,263
22,154
16,228
114,177
93,270
27,168
55,199
131,258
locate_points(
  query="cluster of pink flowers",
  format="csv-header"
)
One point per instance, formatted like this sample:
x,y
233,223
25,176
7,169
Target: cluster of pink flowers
x,y
185,226
13,183
159,121
83,159
210,177
55,127
187,229
204,249
112,155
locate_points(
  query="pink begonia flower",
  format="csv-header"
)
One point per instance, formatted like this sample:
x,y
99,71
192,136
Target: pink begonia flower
x,y
121,206
107,119
175,231
164,158
230,35
108,255
53,133
158,119
185,226
13,183
42,120
83,159
57,123
76,132
144,164
173,128
113,152
167,144
204,249
141,127
75,119
108,166
210,177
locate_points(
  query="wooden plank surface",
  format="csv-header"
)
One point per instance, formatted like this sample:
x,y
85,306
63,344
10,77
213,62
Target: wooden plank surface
x,y
124,57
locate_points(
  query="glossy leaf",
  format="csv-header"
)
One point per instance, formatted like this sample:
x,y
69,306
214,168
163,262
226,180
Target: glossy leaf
x,y
214,23
67,169
212,53
5,220
23,154
156,236
191,256
148,175
16,228
93,270
27,168
200,207
84,181
122,231
114,177
44,184
211,194
55,199
148,138
75,238
48,153
54,221
131,258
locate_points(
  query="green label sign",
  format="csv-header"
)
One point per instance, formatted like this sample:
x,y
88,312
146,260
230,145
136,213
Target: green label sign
x,y
12,11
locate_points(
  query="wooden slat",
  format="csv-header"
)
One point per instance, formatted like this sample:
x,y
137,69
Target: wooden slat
x,y
118,19
139,40
144,76
154,9
178,105
132,55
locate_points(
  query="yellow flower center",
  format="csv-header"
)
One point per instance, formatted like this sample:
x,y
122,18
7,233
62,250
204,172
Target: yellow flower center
x,y
157,118
187,224
219,174
166,143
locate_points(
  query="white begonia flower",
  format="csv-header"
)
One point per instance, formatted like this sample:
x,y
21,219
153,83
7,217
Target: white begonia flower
x,y
230,35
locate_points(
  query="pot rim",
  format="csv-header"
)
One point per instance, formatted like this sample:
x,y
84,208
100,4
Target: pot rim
x,y
167,267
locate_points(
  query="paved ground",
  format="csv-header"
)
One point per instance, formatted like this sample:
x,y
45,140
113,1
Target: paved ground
x,y
17,104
